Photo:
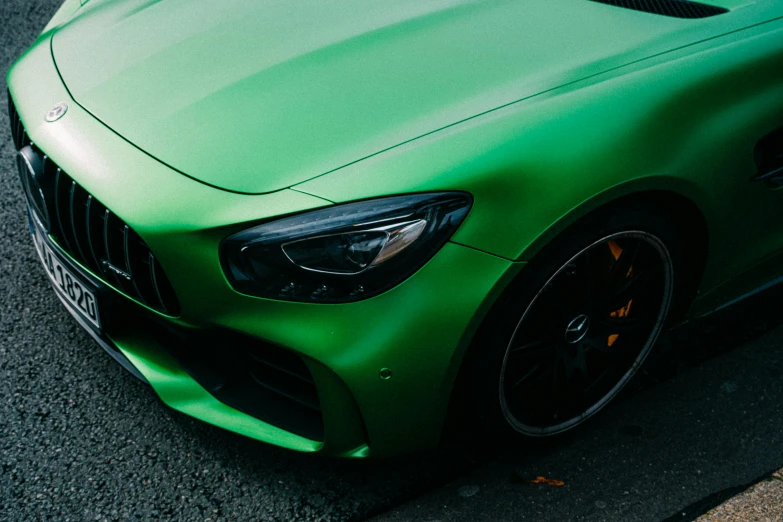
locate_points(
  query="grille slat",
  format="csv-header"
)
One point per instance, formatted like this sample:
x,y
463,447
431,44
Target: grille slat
x,y
74,215
12,120
88,228
94,236
16,124
20,132
138,257
154,278
107,258
60,211
128,267
113,233
17,128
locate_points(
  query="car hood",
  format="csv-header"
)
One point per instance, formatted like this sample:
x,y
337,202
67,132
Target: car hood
x,y
255,96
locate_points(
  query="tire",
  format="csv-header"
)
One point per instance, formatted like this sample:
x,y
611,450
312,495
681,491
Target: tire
x,y
580,320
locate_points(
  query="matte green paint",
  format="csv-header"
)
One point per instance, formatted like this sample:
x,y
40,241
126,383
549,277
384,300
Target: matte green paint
x,y
63,14
543,110
548,159
289,90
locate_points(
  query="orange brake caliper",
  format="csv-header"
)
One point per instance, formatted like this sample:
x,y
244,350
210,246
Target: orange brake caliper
x,y
616,250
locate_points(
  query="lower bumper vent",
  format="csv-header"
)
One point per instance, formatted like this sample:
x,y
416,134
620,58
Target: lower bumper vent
x,y
262,380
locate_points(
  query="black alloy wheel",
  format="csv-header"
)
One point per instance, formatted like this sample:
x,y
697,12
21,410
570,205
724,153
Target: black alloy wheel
x,y
586,333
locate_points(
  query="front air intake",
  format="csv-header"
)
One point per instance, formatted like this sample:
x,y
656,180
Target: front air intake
x,y
260,379
673,8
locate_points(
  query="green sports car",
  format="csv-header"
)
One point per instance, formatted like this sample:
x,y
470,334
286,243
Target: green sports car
x,y
344,226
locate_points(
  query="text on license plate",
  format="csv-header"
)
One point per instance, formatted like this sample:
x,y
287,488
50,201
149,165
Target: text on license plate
x,y
70,286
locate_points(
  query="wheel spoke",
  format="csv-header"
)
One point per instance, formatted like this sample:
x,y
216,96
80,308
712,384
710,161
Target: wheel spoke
x,y
622,266
598,380
613,355
623,325
532,376
554,302
593,342
575,365
589,283
601,345
531,349
561,391
629,289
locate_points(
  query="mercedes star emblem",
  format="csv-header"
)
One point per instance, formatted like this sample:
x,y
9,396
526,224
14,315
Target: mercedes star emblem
x,y
577,329
56,112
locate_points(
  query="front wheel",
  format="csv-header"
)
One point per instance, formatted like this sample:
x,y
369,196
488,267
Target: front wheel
x,y
577,326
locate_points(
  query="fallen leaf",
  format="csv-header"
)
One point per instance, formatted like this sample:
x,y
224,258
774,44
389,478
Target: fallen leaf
x,y
548,482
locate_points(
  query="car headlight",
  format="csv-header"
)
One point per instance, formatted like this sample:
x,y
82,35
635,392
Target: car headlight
x,y
345,252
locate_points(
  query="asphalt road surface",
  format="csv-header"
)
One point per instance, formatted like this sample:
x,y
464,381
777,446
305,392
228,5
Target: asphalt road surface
x,y
80,439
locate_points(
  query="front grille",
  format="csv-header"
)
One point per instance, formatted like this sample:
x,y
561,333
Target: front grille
x,y
260,379
17,129
94,236
673,8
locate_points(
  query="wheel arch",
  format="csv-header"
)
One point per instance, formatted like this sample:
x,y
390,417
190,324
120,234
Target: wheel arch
x,y
690,221
679,203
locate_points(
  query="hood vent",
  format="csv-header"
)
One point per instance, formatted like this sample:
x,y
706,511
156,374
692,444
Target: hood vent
x,y
674,8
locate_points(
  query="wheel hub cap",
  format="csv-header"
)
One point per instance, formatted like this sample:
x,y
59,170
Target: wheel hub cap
x,y
577,329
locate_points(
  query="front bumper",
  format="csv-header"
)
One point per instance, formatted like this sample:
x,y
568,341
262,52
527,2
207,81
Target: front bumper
x,y
418,330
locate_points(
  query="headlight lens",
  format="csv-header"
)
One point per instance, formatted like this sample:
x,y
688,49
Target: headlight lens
x,y
345,252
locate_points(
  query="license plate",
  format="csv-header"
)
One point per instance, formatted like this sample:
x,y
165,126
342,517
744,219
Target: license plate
x,y
70,287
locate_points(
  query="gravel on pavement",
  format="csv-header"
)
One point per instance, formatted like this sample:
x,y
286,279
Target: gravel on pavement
x,y
762,502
